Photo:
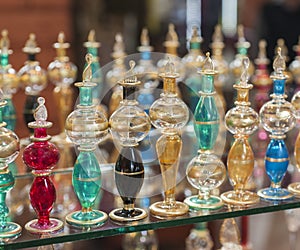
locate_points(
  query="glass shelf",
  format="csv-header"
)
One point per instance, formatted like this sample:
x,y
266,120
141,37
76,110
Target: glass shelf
x,y
22,212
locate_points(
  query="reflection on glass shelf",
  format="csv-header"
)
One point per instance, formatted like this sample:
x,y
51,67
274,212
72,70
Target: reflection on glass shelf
x,y
21,212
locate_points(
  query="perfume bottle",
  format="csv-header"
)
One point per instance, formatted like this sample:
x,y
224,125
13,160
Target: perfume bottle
x,y
62,73
193,61
230,235
143,240
221,66
33,78
206,171
9,151
9,81
199,238
295,186
41,156
294,67
129,125
86,127
242,45
277,117
116,73
147,73
171,44
169,114
241,121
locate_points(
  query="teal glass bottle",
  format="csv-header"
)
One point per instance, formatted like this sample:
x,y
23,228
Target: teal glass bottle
x,y
206,171
9,150
8,81
86,127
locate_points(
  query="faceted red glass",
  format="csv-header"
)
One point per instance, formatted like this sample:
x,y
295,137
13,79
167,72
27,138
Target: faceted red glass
x,y
40,132
42,197
41,155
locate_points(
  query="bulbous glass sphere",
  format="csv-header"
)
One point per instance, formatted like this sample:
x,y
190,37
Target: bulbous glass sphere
x,y
277,116
62,72
9,146
169,112
86,126
9,81
129,124
206,172
296,103
241,120
32,77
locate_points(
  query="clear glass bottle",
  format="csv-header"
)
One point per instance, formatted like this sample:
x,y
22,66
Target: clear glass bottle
x,y
199,238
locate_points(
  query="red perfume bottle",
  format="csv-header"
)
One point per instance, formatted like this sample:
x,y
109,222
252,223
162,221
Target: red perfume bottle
x,y
41,156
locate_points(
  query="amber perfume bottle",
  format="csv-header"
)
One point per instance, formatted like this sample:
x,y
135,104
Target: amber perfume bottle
x,y
169,114
129,125
62,73
241,121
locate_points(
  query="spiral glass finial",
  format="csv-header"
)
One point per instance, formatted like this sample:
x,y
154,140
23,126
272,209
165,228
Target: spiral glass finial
x,y
41,114
208,67
245,74
87,73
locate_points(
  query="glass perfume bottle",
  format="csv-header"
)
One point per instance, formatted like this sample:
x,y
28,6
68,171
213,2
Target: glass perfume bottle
x,y
242,45
169,114
221,66
33,78
9,148
193,61
144,240
295,186
230,235
41,156
9,81
129,125
294,67
199,238
116,73
86,127
92,47
277,117
241,121
206,171
147,73
171,44
62,73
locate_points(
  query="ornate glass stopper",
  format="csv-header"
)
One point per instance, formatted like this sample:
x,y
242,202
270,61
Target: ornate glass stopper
x,y
9,150
170,115
9,81
33,78
86,127
62,73
41,156
129,125
277,117
241,121
206,171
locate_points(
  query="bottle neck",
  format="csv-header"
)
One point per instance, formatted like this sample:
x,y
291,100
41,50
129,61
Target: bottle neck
x,y
171,50
31,57
146,55
242,51
4,60
278,86
85,96
93,51
129,93
242,95
170,86
208,84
